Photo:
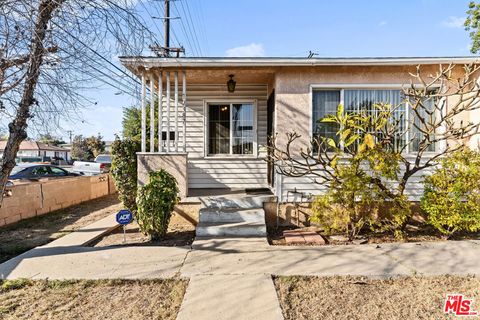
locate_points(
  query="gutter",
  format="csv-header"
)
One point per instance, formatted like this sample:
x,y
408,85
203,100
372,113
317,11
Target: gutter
x,y
150,62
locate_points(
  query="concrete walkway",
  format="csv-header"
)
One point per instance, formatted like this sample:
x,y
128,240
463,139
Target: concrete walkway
x,y
86,234
252,256
230,278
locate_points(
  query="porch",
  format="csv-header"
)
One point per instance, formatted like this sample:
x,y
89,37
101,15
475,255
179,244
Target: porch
x,y
205,135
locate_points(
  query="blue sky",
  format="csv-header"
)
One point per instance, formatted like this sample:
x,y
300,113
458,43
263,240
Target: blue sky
x,y
347,28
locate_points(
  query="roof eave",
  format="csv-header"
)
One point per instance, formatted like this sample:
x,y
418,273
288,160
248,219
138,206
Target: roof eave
x,y
155,62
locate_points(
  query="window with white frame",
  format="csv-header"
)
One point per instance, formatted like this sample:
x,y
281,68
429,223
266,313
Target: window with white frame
x,y
326,102
231,128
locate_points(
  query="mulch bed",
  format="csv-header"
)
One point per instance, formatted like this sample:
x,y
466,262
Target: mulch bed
x,y
291,236
181,234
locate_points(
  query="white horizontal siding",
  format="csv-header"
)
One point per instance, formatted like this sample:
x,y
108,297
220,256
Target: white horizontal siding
x,y
229,173
211,172
307,185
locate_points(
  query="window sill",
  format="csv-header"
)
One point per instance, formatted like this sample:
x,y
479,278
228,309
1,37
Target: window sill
x,y
231,156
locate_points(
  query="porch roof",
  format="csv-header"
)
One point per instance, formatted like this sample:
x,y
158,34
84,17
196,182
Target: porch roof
x,y
135,62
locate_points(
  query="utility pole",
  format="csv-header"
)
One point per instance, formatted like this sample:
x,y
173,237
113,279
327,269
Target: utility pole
x,y
167,27
70,135
166,49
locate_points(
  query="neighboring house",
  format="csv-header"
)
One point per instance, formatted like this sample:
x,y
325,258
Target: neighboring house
x,y
38,149
218,136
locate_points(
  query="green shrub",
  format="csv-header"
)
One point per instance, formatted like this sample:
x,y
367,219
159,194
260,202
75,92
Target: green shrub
x,y
358,195
452,193
354,203
124,170
155,202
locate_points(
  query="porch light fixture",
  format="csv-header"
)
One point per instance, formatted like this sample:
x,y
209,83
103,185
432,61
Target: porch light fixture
x,y
231,84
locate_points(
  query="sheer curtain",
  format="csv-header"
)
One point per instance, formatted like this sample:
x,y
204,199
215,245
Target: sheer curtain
x,y
415,134
364,100
325,102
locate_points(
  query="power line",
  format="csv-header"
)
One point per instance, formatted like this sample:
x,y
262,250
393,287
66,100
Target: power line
x,y
97,54
135,18
153,20
185,32
203,30
190,25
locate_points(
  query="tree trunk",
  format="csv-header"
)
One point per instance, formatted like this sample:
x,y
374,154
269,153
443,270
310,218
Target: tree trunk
x,y
18,127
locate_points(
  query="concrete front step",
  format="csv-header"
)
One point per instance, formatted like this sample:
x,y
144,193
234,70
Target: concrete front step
x,y
222,229
231,202
211,215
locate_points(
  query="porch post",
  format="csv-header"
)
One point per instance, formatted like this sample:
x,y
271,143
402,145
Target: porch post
x,y
168,111
160,111
176,110
184,103
152,114
144,116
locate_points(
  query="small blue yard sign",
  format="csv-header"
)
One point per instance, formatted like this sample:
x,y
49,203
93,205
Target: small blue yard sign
x,y
124,217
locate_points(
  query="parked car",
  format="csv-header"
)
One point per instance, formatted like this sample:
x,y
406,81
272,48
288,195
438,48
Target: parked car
x,y
36,171
90,168
104,158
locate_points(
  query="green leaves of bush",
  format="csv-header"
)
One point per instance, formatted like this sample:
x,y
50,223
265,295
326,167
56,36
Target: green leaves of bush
x,y
124,170
452,193
155,202
359,193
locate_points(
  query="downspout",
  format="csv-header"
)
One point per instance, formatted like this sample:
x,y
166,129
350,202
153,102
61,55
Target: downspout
x,y
278,194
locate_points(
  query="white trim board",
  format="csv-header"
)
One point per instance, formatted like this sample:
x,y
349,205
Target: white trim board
x,y
206,103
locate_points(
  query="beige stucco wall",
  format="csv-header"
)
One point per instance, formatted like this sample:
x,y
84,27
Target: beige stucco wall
x,y
32,199
175,164
293,101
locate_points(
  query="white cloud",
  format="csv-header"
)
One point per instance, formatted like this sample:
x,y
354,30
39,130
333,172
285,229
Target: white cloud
x,y
453,22
382,23
249,50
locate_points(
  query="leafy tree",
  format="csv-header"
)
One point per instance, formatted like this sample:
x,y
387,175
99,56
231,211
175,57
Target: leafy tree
x,y
96,145
132,123
87,148
356,193
452,193
80,149
472,24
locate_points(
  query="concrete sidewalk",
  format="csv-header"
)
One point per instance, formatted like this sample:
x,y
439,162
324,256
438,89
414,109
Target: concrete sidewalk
x,y
231,277
86,234
252,256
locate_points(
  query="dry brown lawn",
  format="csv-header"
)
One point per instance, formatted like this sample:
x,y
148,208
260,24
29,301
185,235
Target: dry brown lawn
x,y
360,298
30,233
99,299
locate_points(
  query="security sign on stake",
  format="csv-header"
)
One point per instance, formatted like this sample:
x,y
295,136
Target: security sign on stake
x,y
124,217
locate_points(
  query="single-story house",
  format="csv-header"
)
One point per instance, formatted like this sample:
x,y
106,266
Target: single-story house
x,y
217,113
38,149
